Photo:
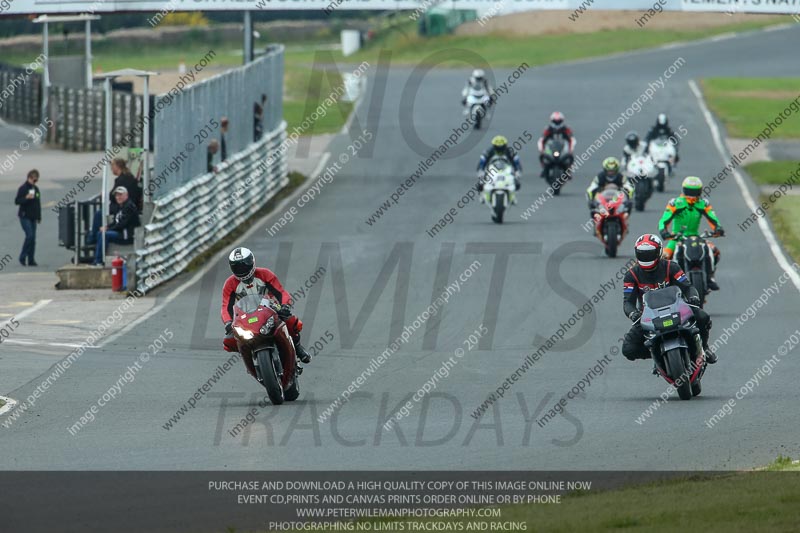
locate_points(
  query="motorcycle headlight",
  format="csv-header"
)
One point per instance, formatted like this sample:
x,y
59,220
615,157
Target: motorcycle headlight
x,y
243,333
556,154
266,329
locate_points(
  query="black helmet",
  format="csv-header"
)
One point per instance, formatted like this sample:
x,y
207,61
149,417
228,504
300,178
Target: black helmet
x,y
632,139
243,264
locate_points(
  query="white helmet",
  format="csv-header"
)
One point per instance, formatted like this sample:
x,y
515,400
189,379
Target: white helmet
x,y
662,119
242,263
478,74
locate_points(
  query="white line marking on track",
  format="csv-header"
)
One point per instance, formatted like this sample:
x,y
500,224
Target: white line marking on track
x,y
772,240
32,342
38,305
10,403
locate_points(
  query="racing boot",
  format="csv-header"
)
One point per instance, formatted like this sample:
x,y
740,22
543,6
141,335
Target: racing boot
x,y
301,352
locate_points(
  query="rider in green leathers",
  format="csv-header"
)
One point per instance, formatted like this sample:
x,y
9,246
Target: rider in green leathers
x,y
686,212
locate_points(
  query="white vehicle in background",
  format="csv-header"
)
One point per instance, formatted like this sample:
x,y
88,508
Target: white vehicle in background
x,y
477,105
499,187
663,153
641,170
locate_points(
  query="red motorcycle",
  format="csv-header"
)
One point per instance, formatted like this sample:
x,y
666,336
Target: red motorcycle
x,y
262,336
611,218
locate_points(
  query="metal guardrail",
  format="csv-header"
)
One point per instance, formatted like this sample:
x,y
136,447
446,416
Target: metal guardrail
x,y
188,220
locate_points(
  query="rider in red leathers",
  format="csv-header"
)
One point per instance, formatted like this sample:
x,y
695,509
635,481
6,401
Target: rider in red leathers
x,y
247,280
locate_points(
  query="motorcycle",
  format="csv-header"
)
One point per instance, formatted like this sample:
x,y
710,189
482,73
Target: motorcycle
x,y
673,338
499,187
691,254
611,218
663,153
557,161
477,105
261,334
641,171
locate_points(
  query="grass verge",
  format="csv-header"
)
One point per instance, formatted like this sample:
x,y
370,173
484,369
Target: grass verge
x,y
295,180
785,211
763,500
511,50
745,104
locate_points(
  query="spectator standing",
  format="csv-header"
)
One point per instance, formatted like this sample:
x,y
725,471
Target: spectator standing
x,y
120,231
30,214
124,178
258,118
223,129
213,148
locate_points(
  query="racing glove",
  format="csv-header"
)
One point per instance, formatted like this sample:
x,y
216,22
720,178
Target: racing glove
x,y
228,327
665,234
694,300
285,311
635,315
720,231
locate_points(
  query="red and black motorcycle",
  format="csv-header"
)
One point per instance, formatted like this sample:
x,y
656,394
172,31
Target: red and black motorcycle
x,y
611,218
262,336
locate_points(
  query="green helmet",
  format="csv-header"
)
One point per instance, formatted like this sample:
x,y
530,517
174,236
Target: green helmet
x,y
611,165
692,187
499,141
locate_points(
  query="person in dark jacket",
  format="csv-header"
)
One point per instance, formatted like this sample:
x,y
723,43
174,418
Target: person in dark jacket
x,y
30,214
124,178
120,231
223,147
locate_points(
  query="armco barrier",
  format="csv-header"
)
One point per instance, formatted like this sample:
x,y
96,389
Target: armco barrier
x,y
189,219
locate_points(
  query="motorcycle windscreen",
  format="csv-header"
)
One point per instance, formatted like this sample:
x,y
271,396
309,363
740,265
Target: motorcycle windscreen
x,y
250,303
556,144
656,299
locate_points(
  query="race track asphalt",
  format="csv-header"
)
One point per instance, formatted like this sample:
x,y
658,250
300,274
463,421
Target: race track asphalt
x,y
533,275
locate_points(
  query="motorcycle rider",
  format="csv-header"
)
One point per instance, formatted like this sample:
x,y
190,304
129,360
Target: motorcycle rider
x,y
663,129
633,147
476,82
499,148
556,126
686,212
652,272
610,174
246,280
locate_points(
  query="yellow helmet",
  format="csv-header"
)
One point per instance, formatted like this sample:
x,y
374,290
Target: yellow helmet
x,y
499,141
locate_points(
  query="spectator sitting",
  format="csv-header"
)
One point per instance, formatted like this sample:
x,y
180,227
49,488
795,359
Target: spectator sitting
x,y
213,148
126,218
223,148
124,178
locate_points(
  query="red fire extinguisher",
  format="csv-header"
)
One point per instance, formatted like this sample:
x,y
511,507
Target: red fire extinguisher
x,y
116,273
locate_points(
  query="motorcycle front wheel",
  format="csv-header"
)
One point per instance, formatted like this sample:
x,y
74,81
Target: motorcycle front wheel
x,y
610,231
269,376
676,367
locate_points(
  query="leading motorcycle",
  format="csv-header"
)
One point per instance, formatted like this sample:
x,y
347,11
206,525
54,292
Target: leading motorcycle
x,y
261,335
673,338
611,218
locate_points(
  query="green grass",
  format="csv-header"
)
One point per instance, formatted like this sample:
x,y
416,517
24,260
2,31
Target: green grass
x,y
785,211
510,51
771,172
785,216
765,500
745,104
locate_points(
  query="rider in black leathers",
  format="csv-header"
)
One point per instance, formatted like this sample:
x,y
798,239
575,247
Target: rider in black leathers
x,y
653,272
